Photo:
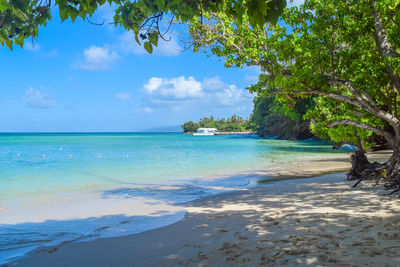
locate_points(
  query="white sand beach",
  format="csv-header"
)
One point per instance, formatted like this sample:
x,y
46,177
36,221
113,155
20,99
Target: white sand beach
x,y
318,221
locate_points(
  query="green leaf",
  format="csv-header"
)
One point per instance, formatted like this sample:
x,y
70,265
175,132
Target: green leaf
x,y
17,12
148,47
135,30
3,5
160,4
137,39
153,38
9,44
73,14
63,14
19,41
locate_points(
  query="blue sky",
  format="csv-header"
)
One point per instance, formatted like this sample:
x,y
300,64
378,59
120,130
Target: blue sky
x,y
82,77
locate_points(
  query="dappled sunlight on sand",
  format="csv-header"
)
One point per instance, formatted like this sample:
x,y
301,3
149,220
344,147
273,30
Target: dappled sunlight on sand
x,y
319,223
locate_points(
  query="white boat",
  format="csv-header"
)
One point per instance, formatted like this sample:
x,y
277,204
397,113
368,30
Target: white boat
x,y
206,131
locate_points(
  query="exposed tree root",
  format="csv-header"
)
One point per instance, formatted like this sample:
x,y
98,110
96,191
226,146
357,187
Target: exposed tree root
x,y
386,174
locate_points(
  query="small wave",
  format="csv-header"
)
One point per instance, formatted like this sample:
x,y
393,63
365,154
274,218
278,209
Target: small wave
x,y
21,240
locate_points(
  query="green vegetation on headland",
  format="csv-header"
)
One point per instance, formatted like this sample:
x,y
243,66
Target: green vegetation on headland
x,y
270,118
233,124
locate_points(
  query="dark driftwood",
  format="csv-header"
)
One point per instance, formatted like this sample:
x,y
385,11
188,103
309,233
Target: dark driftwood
x,y
360,180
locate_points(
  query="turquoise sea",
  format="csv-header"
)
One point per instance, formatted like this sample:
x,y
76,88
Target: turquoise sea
x,y
67,187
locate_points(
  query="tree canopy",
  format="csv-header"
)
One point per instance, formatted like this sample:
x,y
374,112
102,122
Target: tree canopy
x,y
272,118
22,19
345,53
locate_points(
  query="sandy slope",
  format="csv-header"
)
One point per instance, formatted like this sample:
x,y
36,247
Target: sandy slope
x,y
315,222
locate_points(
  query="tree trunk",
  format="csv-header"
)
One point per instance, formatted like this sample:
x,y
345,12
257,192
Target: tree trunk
x,y
392,170
387,173
359,163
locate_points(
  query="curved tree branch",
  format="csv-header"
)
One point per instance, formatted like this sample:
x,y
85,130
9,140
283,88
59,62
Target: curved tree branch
x,y
384,46
368,106
378,113
364,126
357,101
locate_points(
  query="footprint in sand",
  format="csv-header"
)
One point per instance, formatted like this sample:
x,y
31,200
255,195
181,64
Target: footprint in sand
x,y
264,260
370,240
323,257
268,219
52,250
201,256
369,226
101,228
226,246
221,216
375,252
193,246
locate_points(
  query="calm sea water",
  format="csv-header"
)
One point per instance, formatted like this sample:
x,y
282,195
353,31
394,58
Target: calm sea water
x,y
71,187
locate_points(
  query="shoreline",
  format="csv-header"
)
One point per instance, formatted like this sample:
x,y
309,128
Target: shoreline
x,y
315,168
211,217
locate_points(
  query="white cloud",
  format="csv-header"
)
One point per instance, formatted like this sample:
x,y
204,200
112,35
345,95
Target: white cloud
x,y
212,84
104,57
37,99
122,96
153,84
129,45
221,94
175,88
180,93
97,58
230,95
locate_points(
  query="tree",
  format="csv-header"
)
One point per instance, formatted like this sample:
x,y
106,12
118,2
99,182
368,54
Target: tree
x,y
343,53
271,118
21,19
189,127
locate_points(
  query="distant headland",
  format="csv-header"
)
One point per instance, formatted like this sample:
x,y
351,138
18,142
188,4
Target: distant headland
x,y
212,126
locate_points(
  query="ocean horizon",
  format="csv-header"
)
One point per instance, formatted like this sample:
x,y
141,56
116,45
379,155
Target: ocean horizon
x,y
71,187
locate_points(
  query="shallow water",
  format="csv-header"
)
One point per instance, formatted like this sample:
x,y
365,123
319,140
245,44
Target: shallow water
x,y
72,187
